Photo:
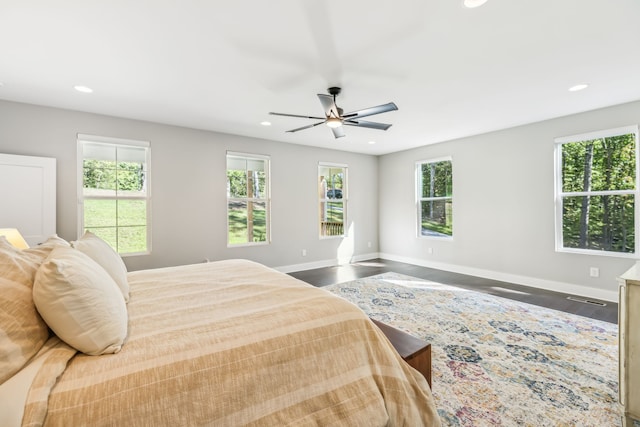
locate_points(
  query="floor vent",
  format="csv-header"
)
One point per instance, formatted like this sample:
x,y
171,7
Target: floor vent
x,y
587,301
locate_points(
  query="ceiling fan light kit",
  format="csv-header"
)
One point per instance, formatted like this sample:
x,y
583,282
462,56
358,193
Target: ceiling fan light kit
x,y
334,122
334,117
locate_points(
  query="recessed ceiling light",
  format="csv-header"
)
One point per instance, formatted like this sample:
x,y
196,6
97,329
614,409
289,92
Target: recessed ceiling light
x,y
83,89
474,3
265,123
578,87
372,142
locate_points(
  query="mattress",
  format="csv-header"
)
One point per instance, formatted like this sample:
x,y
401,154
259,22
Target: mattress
x,y
232,343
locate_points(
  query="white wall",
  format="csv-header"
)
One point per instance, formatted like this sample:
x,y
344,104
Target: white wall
x,y
188,181
503,208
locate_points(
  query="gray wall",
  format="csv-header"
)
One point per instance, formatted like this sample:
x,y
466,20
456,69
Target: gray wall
x,y
503,197
503,207
188,181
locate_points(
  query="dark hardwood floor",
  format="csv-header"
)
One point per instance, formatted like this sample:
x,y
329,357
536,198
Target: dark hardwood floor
x,y
555,300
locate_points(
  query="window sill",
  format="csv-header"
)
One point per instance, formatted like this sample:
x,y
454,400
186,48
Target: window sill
x,y
244,245
597,253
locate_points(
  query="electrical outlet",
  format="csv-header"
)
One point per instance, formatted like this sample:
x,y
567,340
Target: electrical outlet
x,y
304,252
368,244
594,272
430,251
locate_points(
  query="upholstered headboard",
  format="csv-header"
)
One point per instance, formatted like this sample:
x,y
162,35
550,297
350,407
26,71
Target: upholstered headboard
x,y
28,196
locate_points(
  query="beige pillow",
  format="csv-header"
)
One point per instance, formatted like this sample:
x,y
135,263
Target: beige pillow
x,y
22,330
100,251
80,302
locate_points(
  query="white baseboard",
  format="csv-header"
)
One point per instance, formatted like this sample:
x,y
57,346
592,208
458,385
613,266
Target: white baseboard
x,y
550,285
324,263
306,266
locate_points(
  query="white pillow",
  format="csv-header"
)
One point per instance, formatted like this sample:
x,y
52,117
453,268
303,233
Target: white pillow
x,y
80,302
100,251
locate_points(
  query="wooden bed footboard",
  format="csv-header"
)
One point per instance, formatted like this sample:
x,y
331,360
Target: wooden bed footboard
x,y
414,351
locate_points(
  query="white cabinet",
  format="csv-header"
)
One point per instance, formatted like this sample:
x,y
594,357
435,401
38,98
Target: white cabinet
x,y
28,196
629,342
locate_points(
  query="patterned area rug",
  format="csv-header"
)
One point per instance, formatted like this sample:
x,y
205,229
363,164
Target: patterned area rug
x,y
498,362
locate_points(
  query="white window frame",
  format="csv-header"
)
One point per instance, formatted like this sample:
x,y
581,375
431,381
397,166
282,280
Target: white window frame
x,y
344,200
420,199
109,141
559,194
266,199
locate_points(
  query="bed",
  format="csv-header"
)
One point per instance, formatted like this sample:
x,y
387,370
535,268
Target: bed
x,y
225,343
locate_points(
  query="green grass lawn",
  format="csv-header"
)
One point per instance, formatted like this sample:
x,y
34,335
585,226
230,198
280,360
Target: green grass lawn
x,y
238,232
121,223
437,227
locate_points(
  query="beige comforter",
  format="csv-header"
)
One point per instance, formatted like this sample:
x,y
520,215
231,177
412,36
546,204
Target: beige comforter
x,y
233,343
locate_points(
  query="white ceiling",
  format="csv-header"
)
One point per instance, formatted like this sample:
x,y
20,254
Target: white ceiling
x,y
224,65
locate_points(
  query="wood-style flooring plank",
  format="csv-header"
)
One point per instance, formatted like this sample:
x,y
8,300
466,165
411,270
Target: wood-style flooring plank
x,y
541,297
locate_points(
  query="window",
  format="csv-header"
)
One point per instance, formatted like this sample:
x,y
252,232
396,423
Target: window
x,y
114,193
332,196
596,191
248,202
435,198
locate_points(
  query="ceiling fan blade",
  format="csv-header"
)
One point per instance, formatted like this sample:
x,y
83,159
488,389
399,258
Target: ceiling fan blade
x,y
338,132
365,124
296,115
306,127
330,108
371,111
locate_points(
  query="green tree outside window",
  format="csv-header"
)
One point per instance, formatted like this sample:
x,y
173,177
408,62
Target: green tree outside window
x,y
598,193
435,198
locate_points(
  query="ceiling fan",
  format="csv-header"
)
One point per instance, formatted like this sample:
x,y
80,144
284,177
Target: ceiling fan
x,y
334,117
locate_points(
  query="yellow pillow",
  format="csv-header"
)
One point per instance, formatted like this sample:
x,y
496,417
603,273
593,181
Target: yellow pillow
x,y
80,302
22,330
